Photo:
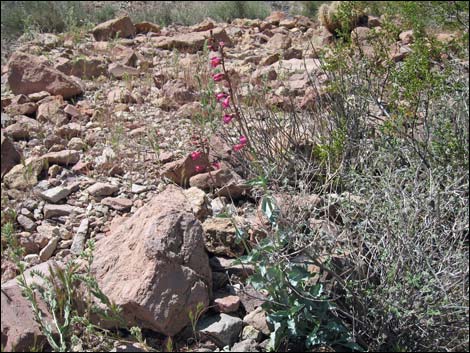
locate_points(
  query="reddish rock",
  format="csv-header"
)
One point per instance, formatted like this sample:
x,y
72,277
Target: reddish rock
x,y
154,264
23,128
120,71
118,203
22,109
29,74
50,110
227,183
65,157
191,42
83,67
183,169
227,304
121,27
145,27
10,156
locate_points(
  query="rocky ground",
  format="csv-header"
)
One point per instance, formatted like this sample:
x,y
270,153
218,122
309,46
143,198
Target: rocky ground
x,y
97,136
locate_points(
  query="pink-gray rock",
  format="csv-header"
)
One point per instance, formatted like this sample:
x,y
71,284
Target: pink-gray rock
x,y
23,128
51,211
154,264
102,189
222,329
117,203
119,70
26,223
227,182
30,74
227,304
121,27
65,157
56,194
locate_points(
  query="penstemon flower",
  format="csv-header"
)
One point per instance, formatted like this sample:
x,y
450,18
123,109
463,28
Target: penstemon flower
x,y
218,77
228,118
243,140
215,61
198,168
220,96
238,147
216,165
195,155
226,103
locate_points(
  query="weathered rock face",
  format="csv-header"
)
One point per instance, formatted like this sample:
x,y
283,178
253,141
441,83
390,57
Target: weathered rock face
x,y
154,265
30,74
122,27
10,156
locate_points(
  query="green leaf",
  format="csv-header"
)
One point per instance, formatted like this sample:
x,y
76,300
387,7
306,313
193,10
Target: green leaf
x,y
297,274
313,338
316,290
268,208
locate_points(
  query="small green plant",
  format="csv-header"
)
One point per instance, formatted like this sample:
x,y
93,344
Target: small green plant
x,y
297,309
194,318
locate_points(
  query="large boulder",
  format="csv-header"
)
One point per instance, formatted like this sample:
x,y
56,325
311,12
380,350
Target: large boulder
x,y
154,264
30,74
10,156
121,27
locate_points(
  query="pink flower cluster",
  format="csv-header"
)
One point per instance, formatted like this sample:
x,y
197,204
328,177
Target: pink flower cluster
x,y
224,98
243,142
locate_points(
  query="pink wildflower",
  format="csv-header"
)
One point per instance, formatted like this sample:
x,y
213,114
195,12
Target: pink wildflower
x,y
221,44
216,165
220,96
215,61
238,147
195,155
243,140
226,103
228,118
218,77
198,168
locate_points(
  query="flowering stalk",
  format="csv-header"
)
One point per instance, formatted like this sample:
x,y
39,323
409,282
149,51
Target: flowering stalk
x,y
231,96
